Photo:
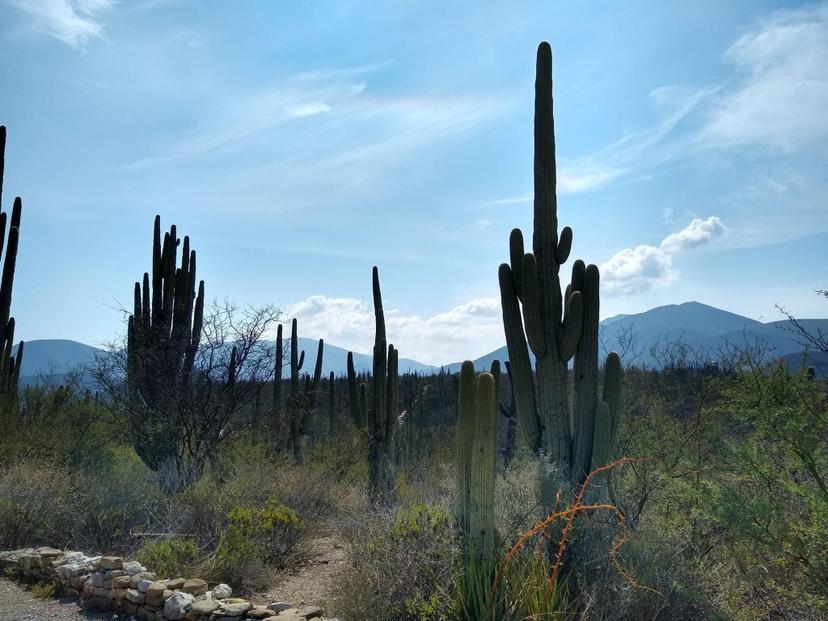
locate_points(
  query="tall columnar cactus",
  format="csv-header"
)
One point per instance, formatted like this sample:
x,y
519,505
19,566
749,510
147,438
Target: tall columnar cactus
x,y
9,364
476,451
385,392
301,401
356,396
557,326
276,423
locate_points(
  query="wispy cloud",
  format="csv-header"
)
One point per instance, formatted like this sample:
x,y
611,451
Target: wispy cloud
x,y
475,326
637,269
72,21
781,91
347,133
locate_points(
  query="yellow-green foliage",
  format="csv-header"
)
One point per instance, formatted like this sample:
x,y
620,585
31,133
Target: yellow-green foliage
x,y
419,520
265,534
44,591
170,557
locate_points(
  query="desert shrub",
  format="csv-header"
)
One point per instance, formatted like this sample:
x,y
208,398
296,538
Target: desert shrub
x,y
255,540
37,504
402,567
169,557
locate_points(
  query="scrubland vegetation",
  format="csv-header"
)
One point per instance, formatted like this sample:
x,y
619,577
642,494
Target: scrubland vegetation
x,y
548,490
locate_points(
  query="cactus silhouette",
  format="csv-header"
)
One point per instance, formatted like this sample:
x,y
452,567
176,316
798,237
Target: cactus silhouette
x,y
557,325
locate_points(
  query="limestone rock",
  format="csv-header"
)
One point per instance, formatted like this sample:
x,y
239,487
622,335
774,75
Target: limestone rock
x,y
111,562
310,612
205,606
222,591
281,606
175,583
133,567
177,605
195,586
135,596
235,607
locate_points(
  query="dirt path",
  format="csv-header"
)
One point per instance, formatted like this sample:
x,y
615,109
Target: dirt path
x,y
18,604
313,581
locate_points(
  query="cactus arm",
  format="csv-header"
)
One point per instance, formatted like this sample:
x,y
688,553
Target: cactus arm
x,y
522,379
516,253
586,376
564,245
572,325
613,376
531,305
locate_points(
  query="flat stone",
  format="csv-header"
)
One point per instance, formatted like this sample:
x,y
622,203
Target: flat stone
x,y
195,586
143,585
135,596
235,607
49,552
121,582
310,612
205,606
111,562
289,616
175,583
133,567
280,606
144,575
260,612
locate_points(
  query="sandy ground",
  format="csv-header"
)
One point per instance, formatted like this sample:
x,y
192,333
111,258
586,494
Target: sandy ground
x,y
313,581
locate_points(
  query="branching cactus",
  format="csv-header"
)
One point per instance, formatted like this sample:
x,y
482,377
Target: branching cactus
x,y
9,364
558,325
301,401
476,453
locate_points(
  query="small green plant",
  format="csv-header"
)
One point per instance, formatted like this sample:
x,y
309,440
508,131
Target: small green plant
x,y
169,557
45,590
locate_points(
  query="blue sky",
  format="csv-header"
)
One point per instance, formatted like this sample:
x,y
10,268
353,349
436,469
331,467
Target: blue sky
x,y
300,143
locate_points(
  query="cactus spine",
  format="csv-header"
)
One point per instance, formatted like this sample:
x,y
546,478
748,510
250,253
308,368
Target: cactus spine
x,y
476,451
557,326
9,364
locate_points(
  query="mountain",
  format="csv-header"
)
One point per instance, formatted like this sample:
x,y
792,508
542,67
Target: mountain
x,y
336,359
49,360
52,358
703,329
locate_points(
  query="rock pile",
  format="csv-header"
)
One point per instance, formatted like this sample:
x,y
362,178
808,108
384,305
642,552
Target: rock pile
x,y
110,583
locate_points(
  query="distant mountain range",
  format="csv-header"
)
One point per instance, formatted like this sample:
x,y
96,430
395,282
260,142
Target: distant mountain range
x,y
703,329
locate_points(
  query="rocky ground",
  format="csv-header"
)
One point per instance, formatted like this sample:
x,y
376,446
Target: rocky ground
x,y
18,604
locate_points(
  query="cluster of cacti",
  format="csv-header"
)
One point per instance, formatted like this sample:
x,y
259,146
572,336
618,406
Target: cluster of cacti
x,y
9,364
382,418
301,400
476,456
163,336
557,327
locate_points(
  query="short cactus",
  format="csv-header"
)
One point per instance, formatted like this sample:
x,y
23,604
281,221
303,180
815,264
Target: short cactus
x,y
476,452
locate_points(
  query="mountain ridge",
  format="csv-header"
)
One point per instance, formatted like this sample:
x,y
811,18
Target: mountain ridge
x,y
703,328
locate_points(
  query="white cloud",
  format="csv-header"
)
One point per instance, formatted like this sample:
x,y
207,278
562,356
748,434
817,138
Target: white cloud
x,y
71,21
307,109
473,328
643,267
695,234
782,91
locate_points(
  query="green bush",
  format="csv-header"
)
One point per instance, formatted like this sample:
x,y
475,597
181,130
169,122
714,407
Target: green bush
x,y
169,558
